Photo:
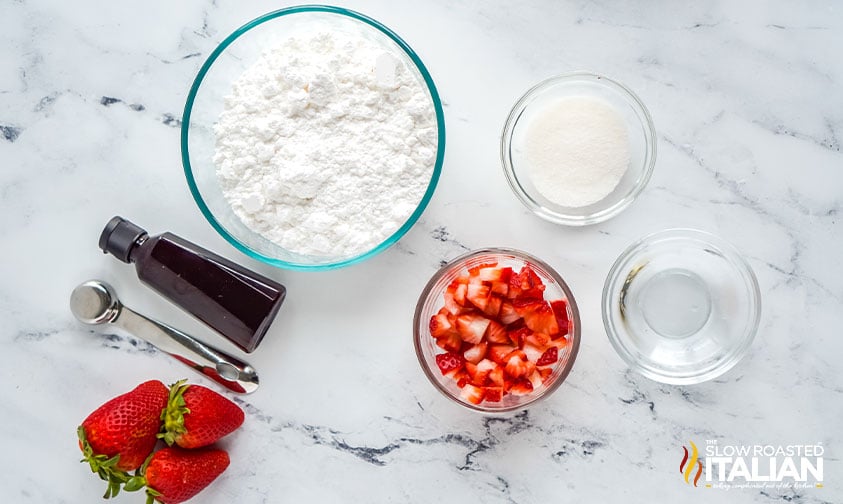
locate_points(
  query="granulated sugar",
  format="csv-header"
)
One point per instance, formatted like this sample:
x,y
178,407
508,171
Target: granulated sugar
x,y
326,144
578,151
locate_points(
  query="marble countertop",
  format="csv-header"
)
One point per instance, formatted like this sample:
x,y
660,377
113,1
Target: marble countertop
x,y
747,103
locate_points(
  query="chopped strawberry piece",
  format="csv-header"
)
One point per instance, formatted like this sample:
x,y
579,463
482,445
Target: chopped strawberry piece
x,y
441,326
538,316
533,352
560,311
499,353
478,293
493,306
476,353
451,342
521,387
518,336
472,327
452,306
534,294
475,271
481,371
535,379
537,339
529,278
496,375
507,313
560,343
545,373
516,364
493,394
462,378
550,356
472,393
449,362
491,274
500,288
525,306
486,365
496,333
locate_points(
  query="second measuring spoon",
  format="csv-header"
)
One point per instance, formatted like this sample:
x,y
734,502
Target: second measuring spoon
x,y
95,302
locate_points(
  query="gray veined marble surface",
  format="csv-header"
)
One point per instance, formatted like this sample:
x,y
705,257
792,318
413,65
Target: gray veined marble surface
x,y
747,99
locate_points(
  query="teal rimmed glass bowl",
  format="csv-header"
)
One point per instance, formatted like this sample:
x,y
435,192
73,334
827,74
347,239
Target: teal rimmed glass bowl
x,y
205,103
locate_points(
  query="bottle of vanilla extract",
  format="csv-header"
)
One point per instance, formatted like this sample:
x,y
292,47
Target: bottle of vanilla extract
x,y
234,301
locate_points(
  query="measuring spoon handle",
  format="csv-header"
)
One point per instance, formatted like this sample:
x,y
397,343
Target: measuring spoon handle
x,y
215,364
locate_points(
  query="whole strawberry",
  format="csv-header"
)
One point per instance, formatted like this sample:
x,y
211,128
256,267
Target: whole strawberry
x,y
197,416
173,475
119,435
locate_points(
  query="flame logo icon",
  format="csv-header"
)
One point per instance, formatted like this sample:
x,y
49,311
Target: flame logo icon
x,y
686,467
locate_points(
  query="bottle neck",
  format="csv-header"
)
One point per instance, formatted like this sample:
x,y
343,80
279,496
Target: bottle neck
x,y
137,246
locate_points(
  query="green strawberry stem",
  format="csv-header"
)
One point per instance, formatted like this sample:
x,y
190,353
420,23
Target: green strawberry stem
x,y
138,481
103,466
173,414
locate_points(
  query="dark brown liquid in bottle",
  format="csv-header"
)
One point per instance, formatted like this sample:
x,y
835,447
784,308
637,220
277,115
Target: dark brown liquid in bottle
x,y
236,302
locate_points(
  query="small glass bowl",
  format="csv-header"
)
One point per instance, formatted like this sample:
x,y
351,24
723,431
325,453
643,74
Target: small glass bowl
x,y
642,146
205,102
681,306
432,300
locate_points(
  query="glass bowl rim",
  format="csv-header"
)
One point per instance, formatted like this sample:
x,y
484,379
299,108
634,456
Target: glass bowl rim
x,y
576,334
552,215
729,252
185,134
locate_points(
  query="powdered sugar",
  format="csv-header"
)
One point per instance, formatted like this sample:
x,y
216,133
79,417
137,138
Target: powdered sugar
x,y
578,151
326,144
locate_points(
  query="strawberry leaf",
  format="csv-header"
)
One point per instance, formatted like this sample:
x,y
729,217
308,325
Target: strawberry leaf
x,y
103,466
173,414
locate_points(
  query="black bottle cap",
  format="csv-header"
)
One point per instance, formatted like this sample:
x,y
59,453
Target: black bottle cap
x,y
119,238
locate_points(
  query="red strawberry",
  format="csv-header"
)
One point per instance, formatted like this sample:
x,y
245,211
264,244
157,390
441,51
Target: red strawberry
x,y
507,313
481,371
494,274
475,271
440,326
521,387
538,316
472,327
500,288
450,343
516,364
496,333
478,294
476,353
455,298
560,310
499,353
472,394
449,362
535,379
119,435
196,416
173,475
519,335
496,376
550,356
537,339
493,394
493,306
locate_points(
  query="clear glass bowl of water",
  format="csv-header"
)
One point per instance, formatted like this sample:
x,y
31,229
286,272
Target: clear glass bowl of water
x,y
681,306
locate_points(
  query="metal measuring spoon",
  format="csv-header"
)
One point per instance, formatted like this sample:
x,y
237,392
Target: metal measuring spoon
x,y
95,302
